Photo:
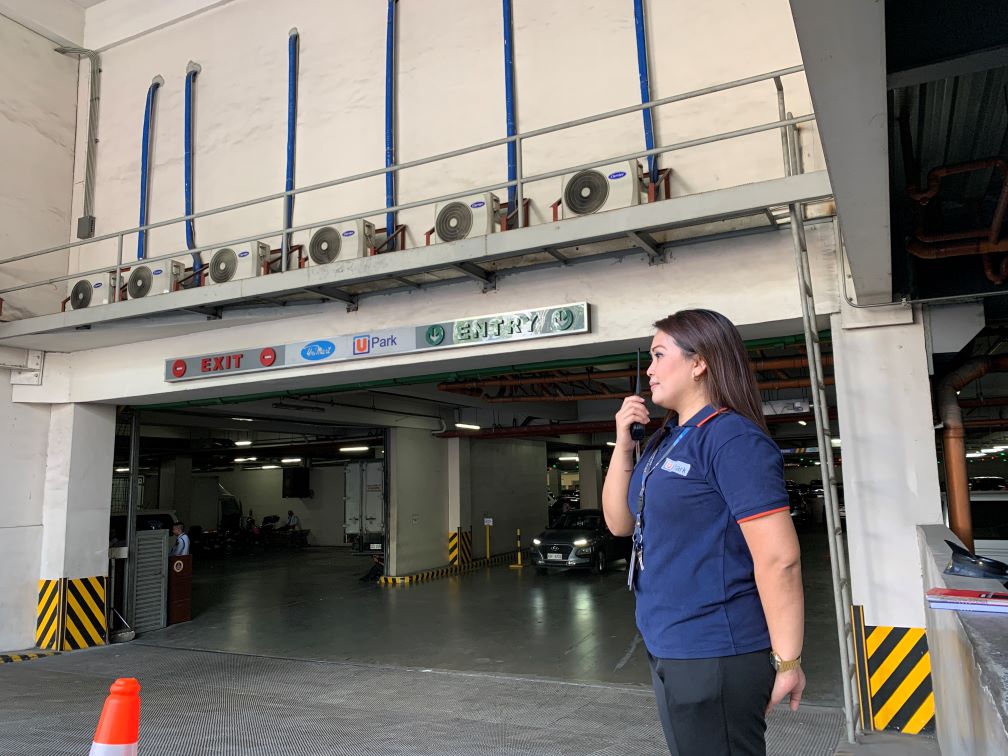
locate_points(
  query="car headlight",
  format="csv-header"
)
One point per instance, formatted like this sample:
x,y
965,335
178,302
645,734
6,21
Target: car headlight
x,y
581,542
536,542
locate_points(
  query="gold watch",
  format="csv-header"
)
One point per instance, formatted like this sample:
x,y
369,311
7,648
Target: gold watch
x,y
784,666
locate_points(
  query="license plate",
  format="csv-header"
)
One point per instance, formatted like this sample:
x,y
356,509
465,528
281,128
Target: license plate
x,y
558,557
376,547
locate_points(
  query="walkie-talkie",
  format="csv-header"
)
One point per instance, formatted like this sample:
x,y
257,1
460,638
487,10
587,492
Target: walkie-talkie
x,y
638,430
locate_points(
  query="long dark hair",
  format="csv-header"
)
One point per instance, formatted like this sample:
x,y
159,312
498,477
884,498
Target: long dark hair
x,y
715,339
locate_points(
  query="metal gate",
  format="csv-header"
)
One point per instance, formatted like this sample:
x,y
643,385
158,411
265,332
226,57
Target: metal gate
x,y
151,589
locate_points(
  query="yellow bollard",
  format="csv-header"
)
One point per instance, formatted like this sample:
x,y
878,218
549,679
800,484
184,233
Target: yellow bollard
x,y
519,565
487,528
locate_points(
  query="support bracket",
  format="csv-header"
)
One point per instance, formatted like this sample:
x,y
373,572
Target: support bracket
x,y
647,243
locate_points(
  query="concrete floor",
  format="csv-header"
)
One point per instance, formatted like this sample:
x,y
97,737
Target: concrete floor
x,y
572,626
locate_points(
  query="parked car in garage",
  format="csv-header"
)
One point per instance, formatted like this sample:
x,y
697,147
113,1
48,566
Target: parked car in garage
x,y
579,539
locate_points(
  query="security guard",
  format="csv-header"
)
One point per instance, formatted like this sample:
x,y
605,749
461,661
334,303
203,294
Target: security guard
x,y
715,565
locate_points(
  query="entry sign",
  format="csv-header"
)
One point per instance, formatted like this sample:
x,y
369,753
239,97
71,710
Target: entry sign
x,y
488,521
542,322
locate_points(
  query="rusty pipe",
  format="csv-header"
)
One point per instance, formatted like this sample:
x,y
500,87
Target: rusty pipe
x,y
998,276
918,248
935,175
776,363
954,441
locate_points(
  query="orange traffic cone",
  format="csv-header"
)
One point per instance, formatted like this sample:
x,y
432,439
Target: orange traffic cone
x,y
118,730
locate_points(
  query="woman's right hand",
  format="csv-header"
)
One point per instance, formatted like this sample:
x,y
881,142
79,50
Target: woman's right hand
x,y
633,411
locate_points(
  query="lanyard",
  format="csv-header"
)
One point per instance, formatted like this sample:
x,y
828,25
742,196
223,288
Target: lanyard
x,y
637,549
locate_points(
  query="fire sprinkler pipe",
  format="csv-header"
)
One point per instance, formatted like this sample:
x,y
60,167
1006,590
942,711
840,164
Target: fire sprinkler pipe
x,y
145,152
645,86
390,179
509,101
86,223
293,39
192,71
954,441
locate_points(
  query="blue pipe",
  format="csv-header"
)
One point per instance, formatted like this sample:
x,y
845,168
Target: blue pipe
x,y
145,151
645,87
390,184
509,100
292,74
192,71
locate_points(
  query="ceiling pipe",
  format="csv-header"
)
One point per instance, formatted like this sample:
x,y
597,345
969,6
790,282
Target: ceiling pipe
x,y
935,175
146,148
759,366
192,71
954,441
86,223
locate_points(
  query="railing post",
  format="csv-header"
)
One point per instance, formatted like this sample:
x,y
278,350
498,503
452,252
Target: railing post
x,y
519,175
118,271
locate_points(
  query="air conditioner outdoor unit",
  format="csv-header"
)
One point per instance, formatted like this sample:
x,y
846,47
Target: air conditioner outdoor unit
x,y
241,261
596,190
159,277
466,217
91,292
343,241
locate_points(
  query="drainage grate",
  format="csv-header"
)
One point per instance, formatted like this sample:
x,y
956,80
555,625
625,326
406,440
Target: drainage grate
x,y
203,702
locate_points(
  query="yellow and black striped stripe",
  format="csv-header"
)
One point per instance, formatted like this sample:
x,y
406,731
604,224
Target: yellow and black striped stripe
x,y
465,547
85,613
50,615
27,656
71,614
447,571
894,677
453,547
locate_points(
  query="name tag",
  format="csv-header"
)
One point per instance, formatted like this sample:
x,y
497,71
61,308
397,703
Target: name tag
x,y
675,466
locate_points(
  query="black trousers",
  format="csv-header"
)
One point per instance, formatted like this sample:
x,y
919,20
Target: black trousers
x,y
714,707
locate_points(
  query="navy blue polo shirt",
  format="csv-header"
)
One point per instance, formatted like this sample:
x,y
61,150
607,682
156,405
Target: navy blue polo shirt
x,y
696,596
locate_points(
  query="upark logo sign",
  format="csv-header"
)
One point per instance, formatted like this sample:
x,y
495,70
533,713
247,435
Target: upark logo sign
x,y
537,323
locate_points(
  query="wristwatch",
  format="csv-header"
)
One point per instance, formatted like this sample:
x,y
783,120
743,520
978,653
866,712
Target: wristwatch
x,y
783,666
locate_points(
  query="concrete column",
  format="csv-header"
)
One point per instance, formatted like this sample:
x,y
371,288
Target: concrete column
x,y
418,501
459,484
553,481
176,487
590,477
889,459
22,470
78,491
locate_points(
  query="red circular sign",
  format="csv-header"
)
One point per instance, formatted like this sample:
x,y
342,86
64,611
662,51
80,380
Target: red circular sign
x,y
267,357
178,368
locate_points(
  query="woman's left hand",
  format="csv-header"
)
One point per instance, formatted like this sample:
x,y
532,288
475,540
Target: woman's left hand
x,y
788,684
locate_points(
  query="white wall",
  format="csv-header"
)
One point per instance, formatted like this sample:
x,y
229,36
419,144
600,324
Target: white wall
x,y
261,491
571,60
890,476
507,478
418,501
22,470
750,279
37,115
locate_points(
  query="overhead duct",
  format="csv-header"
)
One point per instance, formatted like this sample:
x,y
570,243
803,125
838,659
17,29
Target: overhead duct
x,y
145,154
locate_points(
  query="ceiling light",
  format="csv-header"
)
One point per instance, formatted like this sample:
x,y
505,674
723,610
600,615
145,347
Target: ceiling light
x,y
269,467
610,443
802,422
345,449
467,426
990,450
976,455
290,460
834,442
242,419
122,469
241,459
568,459
243,443
251,459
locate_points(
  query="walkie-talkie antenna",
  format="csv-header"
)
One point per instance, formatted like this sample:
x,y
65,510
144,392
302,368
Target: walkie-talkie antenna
x,y
638,430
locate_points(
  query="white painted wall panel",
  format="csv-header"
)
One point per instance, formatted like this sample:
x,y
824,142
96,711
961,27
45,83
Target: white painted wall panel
x,y
571,60
21,547
37,114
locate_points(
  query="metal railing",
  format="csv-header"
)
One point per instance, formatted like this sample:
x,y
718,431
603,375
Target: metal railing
x,y
520,182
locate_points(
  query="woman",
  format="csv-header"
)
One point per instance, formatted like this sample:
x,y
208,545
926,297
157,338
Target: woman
x,y
716,565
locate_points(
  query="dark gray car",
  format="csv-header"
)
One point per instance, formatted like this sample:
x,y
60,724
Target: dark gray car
x,y
579,539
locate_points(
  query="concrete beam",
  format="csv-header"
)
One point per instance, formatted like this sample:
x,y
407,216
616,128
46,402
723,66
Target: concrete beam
x,y
843,48
60,21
